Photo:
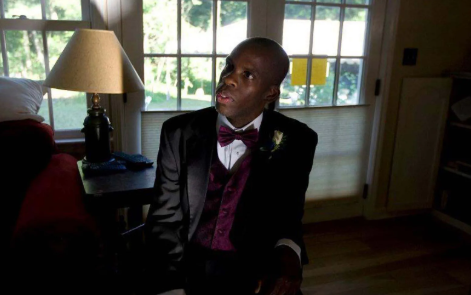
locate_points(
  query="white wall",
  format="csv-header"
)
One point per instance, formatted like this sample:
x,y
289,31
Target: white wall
x,y
441,31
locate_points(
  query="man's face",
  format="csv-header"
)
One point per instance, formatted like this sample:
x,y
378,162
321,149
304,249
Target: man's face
x,y
245,85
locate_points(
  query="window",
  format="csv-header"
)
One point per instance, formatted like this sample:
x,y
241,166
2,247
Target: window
x,y
325,40
33,34
329,45
185,45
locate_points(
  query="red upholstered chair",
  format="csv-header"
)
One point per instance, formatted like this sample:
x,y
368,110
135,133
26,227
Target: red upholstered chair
x,y
49,230
26,147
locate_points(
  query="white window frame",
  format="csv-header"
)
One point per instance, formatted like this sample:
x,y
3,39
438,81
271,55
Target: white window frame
x,y
338,57
272,12
44,26
265,18
214,55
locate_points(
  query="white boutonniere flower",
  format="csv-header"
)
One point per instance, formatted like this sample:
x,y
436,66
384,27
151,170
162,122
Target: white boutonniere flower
x,y
277,139
277,143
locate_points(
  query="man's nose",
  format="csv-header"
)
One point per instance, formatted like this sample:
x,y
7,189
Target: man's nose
x,y
230,79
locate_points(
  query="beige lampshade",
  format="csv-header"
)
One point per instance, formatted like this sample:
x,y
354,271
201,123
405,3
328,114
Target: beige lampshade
x,y
94,61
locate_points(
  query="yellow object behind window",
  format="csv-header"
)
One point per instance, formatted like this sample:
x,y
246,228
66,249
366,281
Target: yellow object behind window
x,y
318,71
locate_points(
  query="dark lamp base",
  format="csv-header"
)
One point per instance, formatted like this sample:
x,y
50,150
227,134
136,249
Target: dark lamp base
x,y
97,128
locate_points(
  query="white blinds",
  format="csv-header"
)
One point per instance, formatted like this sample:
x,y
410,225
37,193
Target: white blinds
x,y
151,127
339,164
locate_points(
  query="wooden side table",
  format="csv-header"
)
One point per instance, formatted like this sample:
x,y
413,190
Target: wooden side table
x,y
104,194
118,190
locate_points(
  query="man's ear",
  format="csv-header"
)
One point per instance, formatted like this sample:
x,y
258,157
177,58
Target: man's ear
x,y
273,94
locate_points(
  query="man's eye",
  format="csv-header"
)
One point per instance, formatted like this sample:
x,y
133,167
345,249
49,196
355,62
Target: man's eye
x,y
248,75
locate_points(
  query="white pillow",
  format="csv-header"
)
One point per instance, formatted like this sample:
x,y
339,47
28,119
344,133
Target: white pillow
x,y
20,99
44,88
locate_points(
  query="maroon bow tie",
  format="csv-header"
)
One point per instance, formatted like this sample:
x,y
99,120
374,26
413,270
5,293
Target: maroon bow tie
x,y
226,136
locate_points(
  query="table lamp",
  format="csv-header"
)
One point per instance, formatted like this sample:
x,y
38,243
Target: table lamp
x,y
94,61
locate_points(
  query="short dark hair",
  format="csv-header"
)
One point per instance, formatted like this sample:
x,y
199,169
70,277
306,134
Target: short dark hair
x,y
280,59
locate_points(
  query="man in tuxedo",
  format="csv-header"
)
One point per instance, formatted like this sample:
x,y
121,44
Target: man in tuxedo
x,y
230,187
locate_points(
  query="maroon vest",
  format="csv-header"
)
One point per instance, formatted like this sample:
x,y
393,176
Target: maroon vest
x,y
224,192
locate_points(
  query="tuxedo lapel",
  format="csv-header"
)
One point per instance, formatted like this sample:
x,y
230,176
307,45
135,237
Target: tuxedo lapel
x,y
199,152
267,129
260,157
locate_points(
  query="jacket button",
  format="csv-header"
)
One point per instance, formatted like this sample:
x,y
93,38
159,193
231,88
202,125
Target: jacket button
x,y
220,231
230,189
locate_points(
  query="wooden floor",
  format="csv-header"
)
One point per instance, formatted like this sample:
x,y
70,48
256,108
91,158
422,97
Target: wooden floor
x,y
414,255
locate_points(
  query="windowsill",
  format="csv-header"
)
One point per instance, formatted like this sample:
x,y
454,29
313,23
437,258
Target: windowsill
x,y
321,107
279,109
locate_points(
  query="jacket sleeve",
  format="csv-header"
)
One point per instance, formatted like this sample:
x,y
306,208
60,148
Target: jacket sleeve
x,y
292,194
164,225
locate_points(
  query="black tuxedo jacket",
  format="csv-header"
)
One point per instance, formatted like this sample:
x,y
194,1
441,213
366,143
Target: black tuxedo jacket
x,y
270,208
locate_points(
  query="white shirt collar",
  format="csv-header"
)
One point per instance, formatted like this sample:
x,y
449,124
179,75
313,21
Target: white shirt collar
x,y
255,124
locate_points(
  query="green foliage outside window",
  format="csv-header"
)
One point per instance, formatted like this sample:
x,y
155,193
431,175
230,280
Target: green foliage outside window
x,y
348,80
160,37
25,53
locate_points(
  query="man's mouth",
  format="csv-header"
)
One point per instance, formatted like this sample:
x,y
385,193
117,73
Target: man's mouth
x,y
222,97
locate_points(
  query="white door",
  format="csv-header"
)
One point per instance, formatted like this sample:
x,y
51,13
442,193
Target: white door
x,y
334,46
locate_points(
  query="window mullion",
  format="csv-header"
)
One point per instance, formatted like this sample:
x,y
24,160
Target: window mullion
x,y
40,24
51,112
2,11
326,56
6,70
249,18
309,60
85,10
213,60
179,57
360,79
49,91
3,44
43,9
364,58
46,66
338,59
341,5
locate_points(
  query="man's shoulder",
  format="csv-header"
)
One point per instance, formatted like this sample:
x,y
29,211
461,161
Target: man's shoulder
x,y
187,120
